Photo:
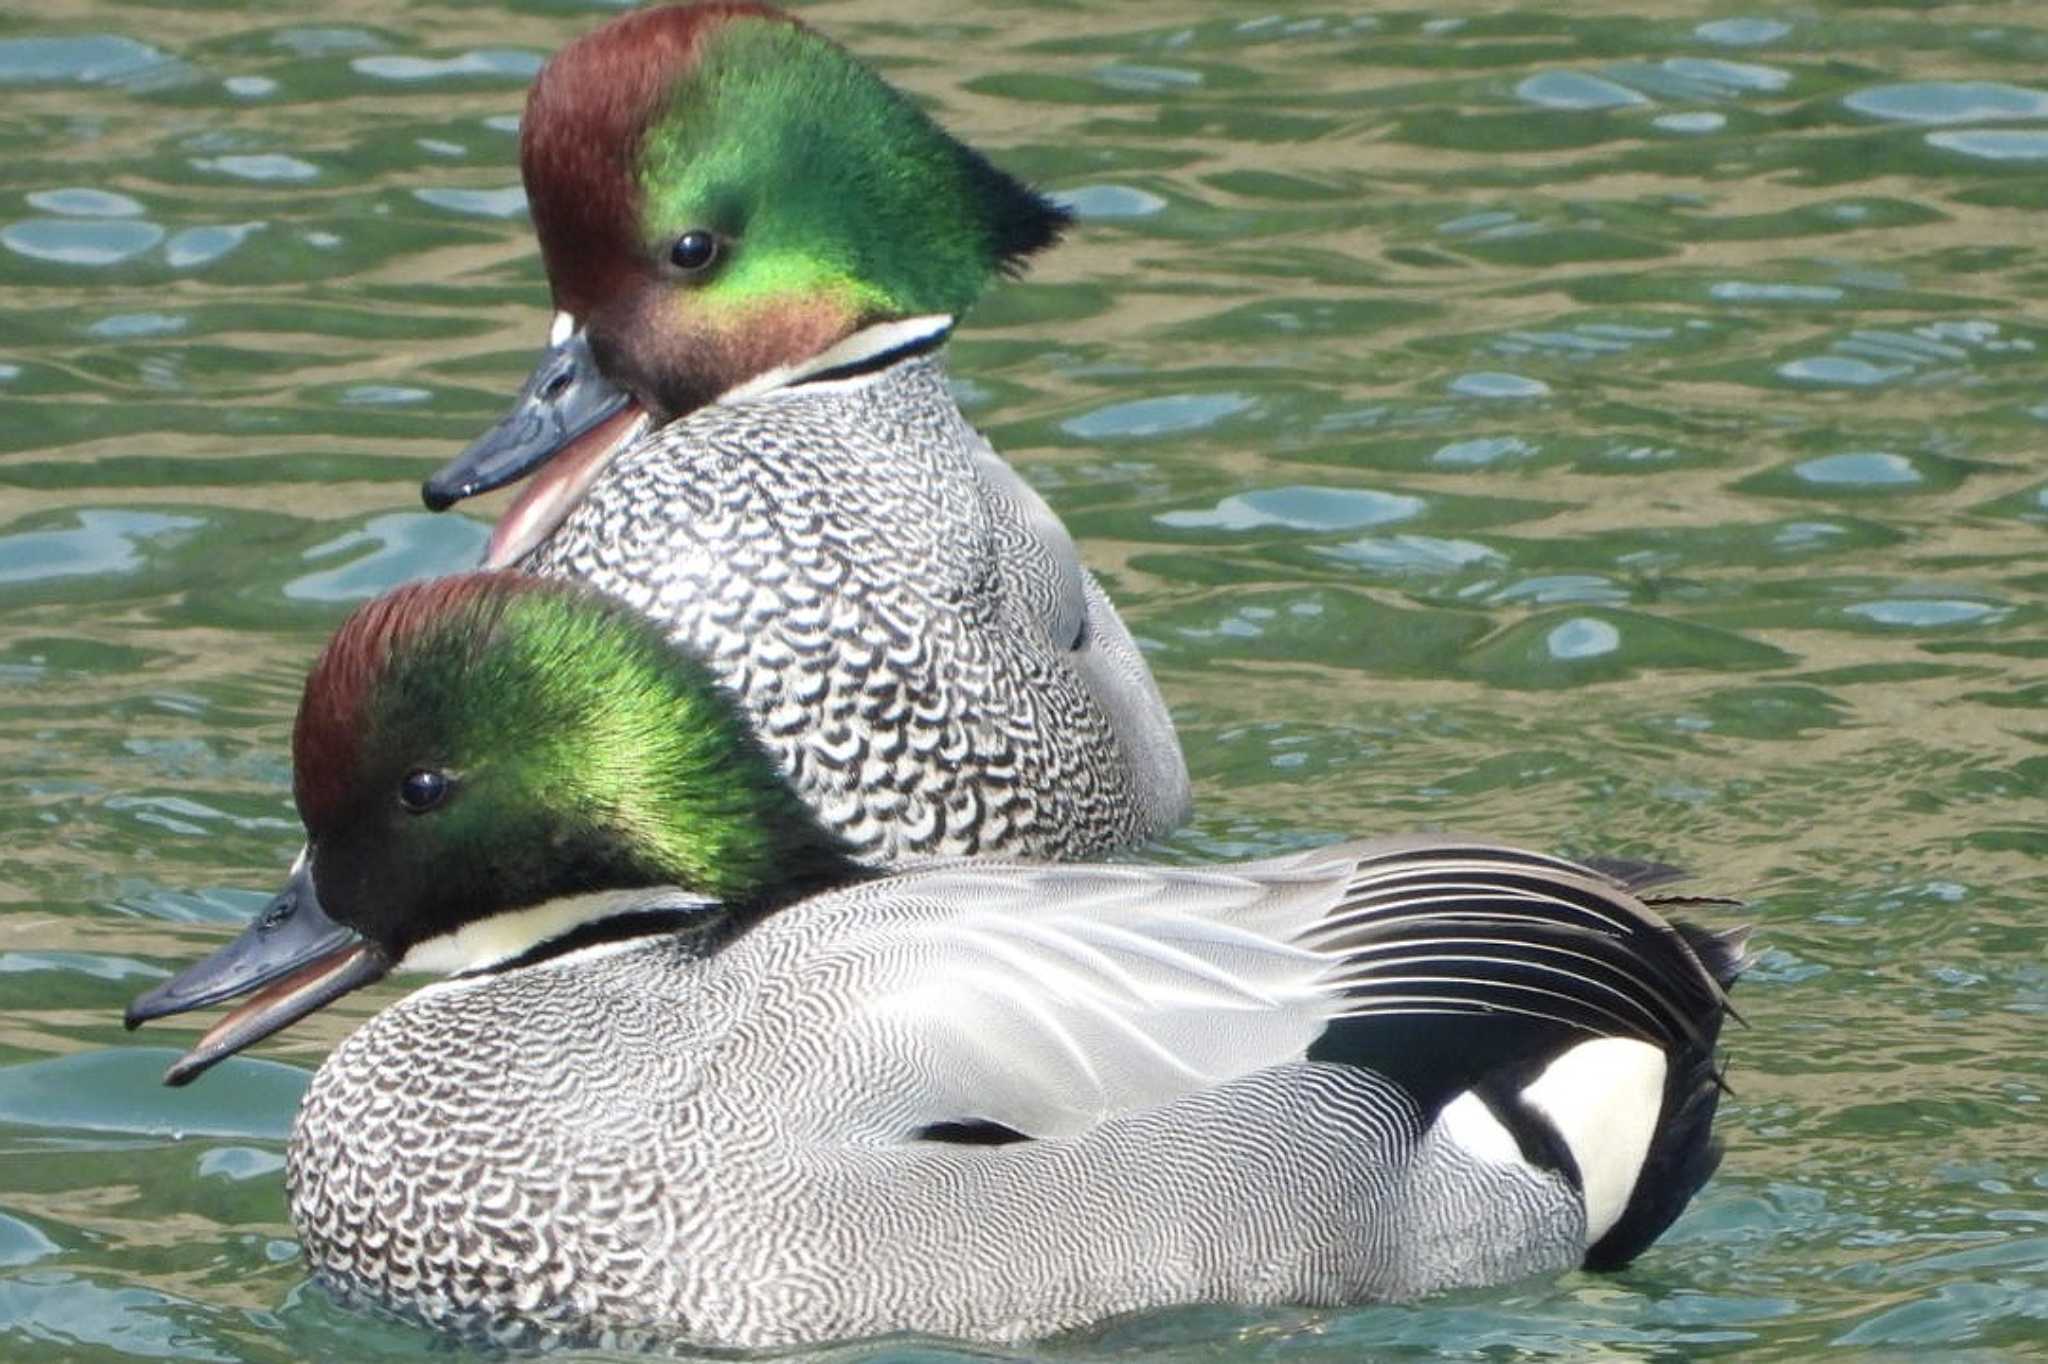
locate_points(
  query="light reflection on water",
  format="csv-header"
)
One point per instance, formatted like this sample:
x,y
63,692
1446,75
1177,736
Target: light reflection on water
x,y
1615,432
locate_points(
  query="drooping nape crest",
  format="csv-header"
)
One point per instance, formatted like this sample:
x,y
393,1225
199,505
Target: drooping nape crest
x,y
736,117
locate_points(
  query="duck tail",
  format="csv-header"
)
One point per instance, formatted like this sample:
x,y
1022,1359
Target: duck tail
x,y
1725,954
1683,1152
1540,1005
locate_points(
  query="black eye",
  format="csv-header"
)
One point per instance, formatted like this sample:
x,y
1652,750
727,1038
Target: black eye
x,y
694,250
422,790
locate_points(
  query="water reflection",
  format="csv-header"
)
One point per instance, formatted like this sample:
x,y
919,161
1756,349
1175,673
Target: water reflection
x,y
99,541
1617,431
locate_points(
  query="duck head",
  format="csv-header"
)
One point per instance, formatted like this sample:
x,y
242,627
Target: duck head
x,y
490,768
723,198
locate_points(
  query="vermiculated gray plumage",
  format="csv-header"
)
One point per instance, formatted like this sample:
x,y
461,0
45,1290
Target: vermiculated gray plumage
x,y
668,1141
905,620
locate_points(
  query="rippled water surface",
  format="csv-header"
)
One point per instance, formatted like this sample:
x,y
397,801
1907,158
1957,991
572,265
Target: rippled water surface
x,y
1612,432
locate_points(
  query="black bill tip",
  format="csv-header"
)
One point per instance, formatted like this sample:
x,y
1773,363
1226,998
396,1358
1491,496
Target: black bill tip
x,y
319,983
565,397
290,960
285,934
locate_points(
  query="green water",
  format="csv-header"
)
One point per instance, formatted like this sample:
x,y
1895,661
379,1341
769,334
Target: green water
x,y
1612,432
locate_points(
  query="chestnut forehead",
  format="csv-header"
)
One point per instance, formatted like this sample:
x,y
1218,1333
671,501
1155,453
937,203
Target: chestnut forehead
x,y
585,120
330,727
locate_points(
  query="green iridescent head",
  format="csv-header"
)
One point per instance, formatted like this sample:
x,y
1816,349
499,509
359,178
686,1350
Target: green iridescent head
x,y
719,191
492,744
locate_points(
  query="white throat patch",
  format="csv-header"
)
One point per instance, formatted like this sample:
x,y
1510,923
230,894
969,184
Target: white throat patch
x,y
864,344
501,937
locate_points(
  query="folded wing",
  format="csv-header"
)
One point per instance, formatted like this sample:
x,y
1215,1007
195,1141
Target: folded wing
x,y
1059,997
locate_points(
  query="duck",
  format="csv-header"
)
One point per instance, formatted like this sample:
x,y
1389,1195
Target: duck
x,y
741,424
695,1073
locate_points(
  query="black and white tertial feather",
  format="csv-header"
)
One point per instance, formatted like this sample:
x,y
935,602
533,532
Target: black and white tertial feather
x,y
996,1100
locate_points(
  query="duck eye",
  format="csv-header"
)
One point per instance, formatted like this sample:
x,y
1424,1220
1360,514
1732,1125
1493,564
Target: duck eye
x,y
694,250
422,790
